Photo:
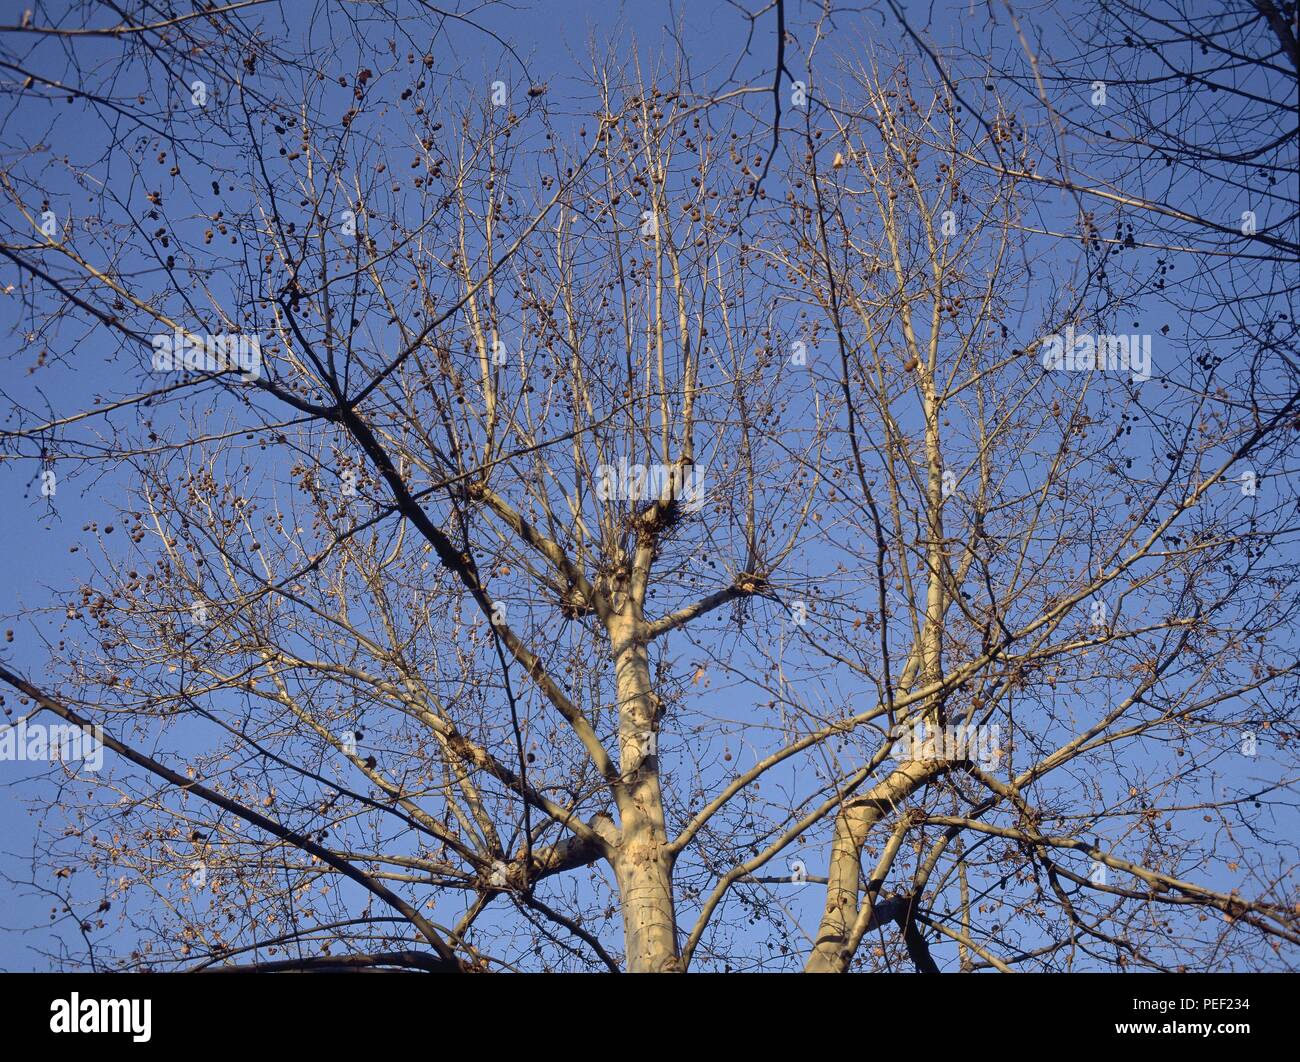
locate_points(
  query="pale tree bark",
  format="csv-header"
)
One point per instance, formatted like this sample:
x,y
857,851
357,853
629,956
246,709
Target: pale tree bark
x,y
831,952
641,860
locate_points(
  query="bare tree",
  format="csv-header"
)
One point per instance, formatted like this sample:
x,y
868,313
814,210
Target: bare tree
x,y
563,532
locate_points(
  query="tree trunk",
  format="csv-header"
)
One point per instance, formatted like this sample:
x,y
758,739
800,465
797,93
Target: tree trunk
x,y
830,952
641,862
644,874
